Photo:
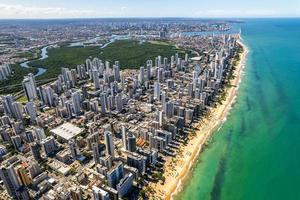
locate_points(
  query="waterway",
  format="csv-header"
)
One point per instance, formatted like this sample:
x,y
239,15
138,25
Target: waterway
x,y
44,55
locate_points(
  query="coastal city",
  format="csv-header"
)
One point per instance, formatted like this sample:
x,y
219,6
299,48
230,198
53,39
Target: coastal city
x,y
110,109
149,100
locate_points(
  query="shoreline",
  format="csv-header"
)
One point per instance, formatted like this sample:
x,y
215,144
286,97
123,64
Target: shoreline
x,y
175,174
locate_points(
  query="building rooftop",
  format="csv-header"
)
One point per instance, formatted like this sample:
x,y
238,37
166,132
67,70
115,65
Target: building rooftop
x,y
67,131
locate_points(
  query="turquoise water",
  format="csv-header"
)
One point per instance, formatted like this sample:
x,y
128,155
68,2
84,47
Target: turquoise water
x,y
256,154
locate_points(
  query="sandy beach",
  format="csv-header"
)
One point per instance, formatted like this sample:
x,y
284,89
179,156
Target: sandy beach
x,y
176,169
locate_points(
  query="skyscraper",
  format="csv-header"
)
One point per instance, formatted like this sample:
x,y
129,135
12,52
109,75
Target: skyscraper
x,y
124,137
142,75
17,110
115,174
35,151
73,149
149,71
5,71
131,143
117,76
119,102
29,87
103,103
160,118
169,109
10,179
31,111
163,99
34,169
7,102
96,153
49,145
95,75
125,185
17,142
160,77
76,102
48,96
40,134
156,91
109,143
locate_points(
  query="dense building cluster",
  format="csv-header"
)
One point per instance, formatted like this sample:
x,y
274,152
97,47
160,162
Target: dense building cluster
x,y
101,132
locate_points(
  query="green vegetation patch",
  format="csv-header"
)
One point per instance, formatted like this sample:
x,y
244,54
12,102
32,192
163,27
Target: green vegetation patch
x,y
22,99
131,54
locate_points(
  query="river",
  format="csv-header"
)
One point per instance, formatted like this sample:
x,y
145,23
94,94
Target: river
x,y
44,55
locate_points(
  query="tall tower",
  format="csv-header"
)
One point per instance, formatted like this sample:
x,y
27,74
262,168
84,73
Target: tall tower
x,y
149,66
156,90
109,143
142,75
73,150
103,102
35,151
31,111
29,87
7,102
96,153
117,76
76,101
95,75
10,179
124,137
132,143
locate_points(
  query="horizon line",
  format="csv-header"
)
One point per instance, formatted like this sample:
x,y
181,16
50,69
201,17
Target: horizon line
x,y
166,17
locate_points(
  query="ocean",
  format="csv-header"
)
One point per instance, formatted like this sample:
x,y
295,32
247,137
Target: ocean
x,y
256,153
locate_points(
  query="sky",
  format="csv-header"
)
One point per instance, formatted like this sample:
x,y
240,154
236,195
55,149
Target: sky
x,y
44,9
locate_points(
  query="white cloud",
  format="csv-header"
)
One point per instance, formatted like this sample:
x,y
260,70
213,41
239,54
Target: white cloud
x,y
12,11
